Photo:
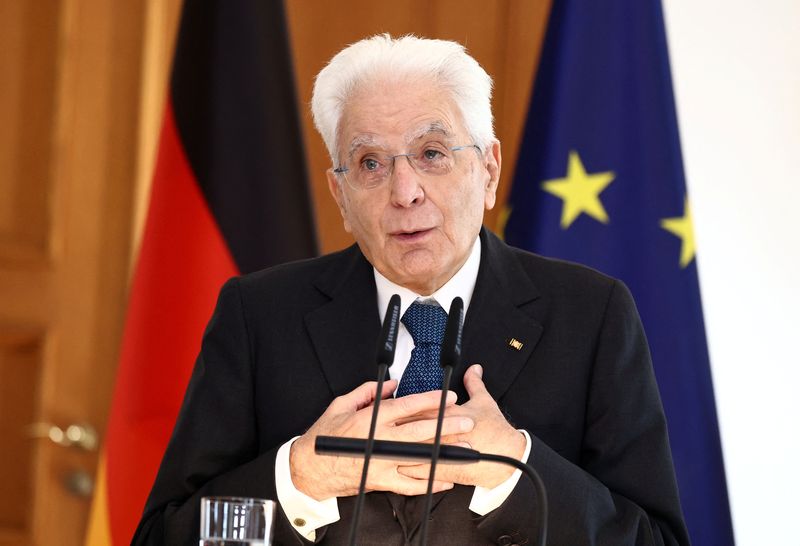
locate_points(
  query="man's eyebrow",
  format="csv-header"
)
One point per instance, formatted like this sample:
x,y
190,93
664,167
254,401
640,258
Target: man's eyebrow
x,y
435,127
360,141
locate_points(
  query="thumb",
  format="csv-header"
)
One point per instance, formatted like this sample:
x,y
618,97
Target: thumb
x,y
473,381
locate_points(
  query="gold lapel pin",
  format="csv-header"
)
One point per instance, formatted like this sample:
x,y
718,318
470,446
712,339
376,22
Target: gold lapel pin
x,y
514,342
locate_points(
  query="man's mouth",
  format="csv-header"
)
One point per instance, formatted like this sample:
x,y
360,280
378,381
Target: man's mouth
x,y
411,235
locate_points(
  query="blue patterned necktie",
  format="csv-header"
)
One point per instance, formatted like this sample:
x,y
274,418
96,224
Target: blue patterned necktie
x,y
425,322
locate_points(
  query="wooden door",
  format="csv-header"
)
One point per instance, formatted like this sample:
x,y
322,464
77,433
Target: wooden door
x,y
69,95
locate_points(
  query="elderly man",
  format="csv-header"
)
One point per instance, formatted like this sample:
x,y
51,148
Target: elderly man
x,y
557,370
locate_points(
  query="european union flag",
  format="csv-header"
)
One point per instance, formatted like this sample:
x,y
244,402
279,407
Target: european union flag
x,y
600,181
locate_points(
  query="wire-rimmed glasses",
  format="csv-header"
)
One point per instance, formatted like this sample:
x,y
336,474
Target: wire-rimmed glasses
x,y
369,169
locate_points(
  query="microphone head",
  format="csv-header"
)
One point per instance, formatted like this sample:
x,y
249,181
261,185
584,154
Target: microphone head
x,y
451,343
387,342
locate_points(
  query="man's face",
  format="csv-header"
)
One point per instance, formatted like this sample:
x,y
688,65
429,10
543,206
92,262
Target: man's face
x,y
415,228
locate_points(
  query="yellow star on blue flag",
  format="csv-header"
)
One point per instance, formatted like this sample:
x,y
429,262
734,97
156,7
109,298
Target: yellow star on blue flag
x,y
682,227
580,191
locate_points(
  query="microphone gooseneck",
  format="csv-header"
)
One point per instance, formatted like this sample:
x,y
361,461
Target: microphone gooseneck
x,y
387,343
449,358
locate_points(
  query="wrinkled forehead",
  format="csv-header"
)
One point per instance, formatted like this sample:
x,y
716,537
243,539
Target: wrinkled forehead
x,y
393,115
437,130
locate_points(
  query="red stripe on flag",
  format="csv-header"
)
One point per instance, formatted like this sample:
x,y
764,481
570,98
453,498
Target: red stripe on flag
x,y
182,264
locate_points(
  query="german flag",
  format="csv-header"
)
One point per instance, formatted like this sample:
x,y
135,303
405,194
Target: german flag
x,y
229,196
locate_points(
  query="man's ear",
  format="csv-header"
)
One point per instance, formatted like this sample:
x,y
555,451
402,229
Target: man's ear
x,y
493,161
335,187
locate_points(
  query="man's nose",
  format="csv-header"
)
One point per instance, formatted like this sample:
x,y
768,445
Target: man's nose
x,y
406,182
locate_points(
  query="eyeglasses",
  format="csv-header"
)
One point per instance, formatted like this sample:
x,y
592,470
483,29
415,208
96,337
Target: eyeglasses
x,y
370,169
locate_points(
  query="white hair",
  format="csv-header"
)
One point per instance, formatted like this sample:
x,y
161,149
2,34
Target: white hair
x,y
382,58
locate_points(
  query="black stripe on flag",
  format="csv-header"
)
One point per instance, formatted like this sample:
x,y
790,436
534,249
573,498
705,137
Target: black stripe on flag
x,y
234,101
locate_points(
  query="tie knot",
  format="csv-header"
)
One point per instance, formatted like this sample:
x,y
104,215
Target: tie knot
x,y
425,322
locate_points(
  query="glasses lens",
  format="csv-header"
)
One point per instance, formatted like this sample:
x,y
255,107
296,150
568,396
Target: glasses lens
x,y
432,158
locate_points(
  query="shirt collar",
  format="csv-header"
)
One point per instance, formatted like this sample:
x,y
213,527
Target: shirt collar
x,y
462,284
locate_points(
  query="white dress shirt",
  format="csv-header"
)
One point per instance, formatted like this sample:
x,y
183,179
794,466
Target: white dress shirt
x,y
307,514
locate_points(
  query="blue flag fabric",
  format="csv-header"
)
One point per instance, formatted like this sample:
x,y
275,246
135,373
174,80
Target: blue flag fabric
x,y
600,181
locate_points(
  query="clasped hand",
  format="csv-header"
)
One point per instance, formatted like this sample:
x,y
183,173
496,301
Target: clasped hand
x,y
478,424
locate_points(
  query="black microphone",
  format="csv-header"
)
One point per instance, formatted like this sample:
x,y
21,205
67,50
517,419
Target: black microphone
x,y
449,358
451,343
388,340
388,449
354,447
387,343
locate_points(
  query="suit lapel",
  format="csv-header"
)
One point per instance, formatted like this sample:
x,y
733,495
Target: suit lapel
x,y
497,332
344,330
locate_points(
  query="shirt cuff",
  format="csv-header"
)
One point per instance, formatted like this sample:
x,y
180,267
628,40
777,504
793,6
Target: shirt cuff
x,y
485,500
305,513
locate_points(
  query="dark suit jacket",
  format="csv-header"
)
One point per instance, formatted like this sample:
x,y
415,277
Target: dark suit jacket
x,y
282,343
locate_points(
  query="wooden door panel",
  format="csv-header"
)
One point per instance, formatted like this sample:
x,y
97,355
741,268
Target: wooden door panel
x,y
28,43
20,373
29,34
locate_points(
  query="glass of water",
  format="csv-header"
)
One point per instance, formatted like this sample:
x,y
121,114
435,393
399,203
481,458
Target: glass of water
x,y
236,521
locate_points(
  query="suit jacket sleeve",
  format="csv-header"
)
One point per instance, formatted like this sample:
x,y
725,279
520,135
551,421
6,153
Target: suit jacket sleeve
x,y
621,489
214,449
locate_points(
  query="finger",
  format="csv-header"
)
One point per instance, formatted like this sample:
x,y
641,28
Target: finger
x,y
422,472
450,411
439,486
424,430
416,471
414,404
362,396
463,444
473,381
408,486
432,414
389,386
444,472
453,440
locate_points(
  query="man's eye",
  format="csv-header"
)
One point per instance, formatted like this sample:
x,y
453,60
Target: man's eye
x,y
432,154
370,164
